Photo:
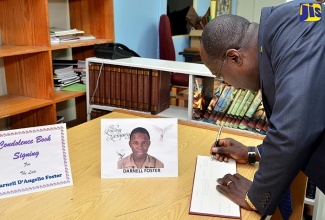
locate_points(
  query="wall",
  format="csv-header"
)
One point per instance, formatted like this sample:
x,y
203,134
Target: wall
x,y
136,25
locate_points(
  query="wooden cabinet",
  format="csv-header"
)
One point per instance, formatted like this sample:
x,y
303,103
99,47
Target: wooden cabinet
x,y
27,56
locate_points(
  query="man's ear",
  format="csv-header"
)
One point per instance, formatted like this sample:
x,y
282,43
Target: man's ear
x,y
234,56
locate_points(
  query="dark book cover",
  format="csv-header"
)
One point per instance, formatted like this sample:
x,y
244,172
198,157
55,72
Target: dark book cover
x,y
128,90
97,77
91,68
107,73
101,86
112,85
123,88
146,90
140,90
134,88
118,86
160,91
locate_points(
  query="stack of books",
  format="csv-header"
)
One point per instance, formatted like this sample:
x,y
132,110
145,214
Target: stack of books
x,y
58,35
64,76
80,70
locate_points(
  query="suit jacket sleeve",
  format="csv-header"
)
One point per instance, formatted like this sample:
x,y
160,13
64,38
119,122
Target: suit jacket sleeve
x,y
292,74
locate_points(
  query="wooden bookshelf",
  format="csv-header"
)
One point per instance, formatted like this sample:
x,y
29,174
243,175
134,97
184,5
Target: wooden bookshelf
x,y
27,56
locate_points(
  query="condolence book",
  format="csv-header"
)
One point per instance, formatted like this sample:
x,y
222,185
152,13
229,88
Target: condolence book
x,y
206,200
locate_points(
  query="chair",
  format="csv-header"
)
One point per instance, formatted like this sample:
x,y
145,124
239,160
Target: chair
x,y
167,50
179,81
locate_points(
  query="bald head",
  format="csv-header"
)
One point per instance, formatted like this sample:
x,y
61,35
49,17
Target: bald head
x,y
229,49
227,32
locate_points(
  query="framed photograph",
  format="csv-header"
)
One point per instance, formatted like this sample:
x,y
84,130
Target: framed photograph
x,y
224,7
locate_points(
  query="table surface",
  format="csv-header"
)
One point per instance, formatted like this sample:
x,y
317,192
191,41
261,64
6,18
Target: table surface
x,y
92,197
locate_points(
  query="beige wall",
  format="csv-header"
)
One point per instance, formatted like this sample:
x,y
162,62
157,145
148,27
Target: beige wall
x,y
251,9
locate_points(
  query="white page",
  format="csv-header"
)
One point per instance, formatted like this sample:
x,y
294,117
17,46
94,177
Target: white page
x,y
206,200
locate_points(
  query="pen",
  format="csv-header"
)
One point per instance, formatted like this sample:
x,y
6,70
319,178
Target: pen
x,y
216,143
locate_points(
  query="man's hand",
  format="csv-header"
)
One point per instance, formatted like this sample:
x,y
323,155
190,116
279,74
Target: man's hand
x,y
235,188
229,148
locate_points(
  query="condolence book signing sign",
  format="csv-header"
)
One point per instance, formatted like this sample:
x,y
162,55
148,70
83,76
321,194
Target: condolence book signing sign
x,y
34,159
135,148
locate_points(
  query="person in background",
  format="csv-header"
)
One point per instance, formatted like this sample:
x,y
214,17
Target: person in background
x,y
284,57
139,158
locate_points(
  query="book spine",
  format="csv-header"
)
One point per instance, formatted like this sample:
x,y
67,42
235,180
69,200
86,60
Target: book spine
x,y
112,86
91,83
140,90
107,72
96,71
123,88
160,86
101,86
146,90
256,102
256,116
154,92
134,87
118,86
128,94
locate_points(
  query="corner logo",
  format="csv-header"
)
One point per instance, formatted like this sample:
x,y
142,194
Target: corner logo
x,y
310,12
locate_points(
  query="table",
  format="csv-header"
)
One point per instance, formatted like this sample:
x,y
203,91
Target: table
x,y
91,197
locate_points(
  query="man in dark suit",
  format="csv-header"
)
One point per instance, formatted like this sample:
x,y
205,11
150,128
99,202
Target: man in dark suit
x,y
284,56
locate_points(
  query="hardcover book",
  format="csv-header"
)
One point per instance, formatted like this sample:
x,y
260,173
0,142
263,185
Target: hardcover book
x,y
107,85
117,86
140,90
146,90
123,88
112,86
128,90
206,199
160,91
134,88
91,68
101,86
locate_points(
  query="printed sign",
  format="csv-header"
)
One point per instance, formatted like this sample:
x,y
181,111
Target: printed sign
x,y
132,148
34,159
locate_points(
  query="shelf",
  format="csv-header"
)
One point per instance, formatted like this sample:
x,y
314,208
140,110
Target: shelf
x,y
60,96
79,43
9,50
175,112
13,105
156,64
309,201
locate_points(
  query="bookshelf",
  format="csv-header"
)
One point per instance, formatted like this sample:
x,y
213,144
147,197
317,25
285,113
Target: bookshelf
x,y
27,56
192,69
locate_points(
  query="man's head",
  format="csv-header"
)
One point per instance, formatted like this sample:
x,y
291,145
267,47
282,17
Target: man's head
x,y
229,49
139,141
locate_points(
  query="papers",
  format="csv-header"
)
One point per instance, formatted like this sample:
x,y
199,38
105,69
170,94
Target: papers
x,y
206,200
58,35
54,31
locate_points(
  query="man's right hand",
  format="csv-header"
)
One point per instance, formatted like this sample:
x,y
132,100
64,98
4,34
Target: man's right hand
x,y
229,148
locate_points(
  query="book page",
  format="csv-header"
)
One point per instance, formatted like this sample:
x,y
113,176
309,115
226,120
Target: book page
x,y
206,200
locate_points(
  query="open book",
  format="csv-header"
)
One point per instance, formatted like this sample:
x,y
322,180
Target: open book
x,y
206,200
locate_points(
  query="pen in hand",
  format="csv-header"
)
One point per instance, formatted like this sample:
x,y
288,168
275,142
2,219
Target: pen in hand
x,y
216,143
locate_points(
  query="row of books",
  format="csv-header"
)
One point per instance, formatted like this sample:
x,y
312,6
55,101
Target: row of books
x,y
129,87
231,107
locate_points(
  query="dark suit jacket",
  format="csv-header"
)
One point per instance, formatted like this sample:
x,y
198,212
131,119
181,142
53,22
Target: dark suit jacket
x,y
292,75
